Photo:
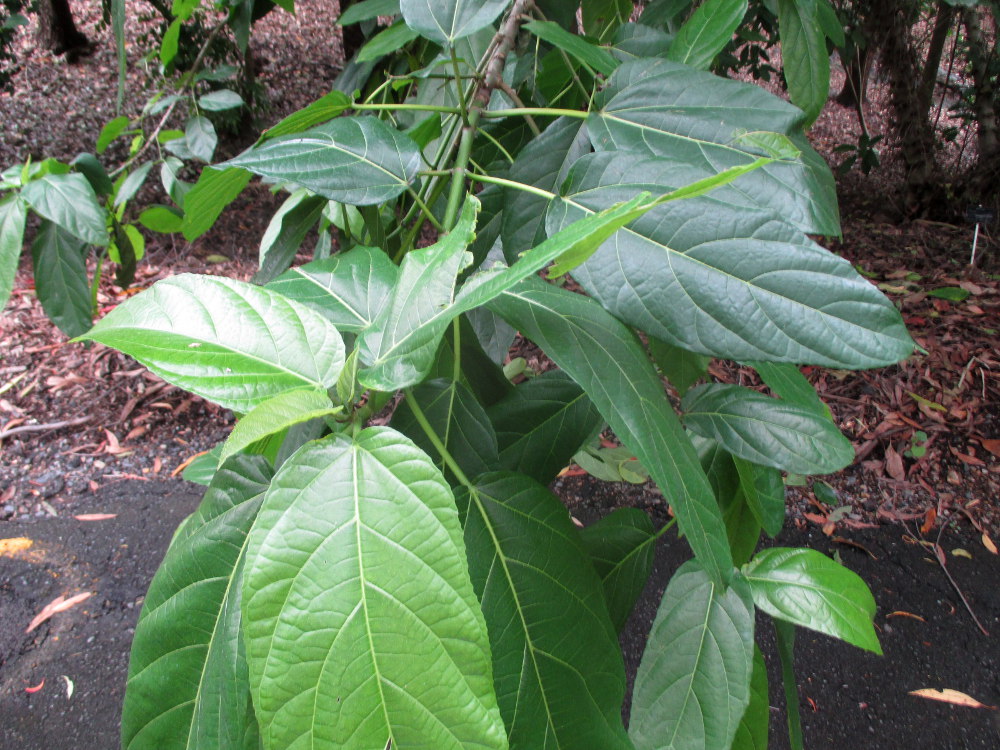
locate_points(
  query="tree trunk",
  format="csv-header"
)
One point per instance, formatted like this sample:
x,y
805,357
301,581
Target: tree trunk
x,y
56,29
942,25
985,103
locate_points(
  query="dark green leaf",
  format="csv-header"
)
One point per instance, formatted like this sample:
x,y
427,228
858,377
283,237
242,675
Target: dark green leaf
x,y
215,189
445,21
787,382
681,367
368,10
805,60
323,109
706,32
693,683
785,635
203,467
764,491
742,527
131,184
285,232
807,588
13,215
93,170
602,17
361,624
386,42
69,201
596,58
557,666
61,278
752,732
200,138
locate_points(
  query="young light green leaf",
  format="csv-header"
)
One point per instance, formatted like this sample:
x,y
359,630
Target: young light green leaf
x,y
69,201
215,189
594,57
445,21
693,683
325,108
805,60
706,32
203,468
621,546
162,219
285,232
606,359
357,588
61,278
765,430
168,45
13,215
752,732
219,101
227,341
348,289
536,587
366,10
807,588
276,414
188,685
356,160
110,132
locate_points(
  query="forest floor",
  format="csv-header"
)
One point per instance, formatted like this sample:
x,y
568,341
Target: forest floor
x,y
91,432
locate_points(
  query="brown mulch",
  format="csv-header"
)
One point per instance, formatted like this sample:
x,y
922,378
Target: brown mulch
x,y
927,431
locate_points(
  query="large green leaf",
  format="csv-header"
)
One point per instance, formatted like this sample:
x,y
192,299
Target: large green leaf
x,y
361,623
805,60
706,32
445,21
348,289
227,341
215,189
765,430
61,278
285,232
693,683
621,546
356,160
542,423
807,588
188,685
556,662
604,357
598,59
459,421
12,219
69,201
752,732
662,108
726,280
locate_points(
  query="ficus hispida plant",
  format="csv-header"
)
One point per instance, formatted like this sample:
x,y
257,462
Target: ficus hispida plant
x,y
416,584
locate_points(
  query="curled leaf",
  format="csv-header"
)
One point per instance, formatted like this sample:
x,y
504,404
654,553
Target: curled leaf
x,y
950,696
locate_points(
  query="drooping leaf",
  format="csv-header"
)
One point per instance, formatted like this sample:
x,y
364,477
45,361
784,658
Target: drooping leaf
x,y
596,58
61,278
360,619
542,423
276,414
356,160
764,492
766,431
752,732
215,189
493,332
661,108
285,232
445,21
537,587
69,201
706,32
621,546
805,60
227,341
681,367
188,685
13,215
693,683
348,289
325,108
606,359
807,588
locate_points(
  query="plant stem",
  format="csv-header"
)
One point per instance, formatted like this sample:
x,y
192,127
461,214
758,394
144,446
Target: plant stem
x,y
425,425
535,112
390,107
512,184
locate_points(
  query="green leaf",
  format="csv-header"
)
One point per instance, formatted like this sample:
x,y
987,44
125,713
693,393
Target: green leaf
x,y
325,108
807,588
764,492
188,684
93,170
752,732
706,32
361,623
621,546
368,10
594,57
131,184
661,108
542,423
110,132
69,201
215,189
785,636
285,232
693,683
785,298
219,101
445,21
356,160
61,278
227,341
765,430
203,467
557,666
604,357
200,138
601,18
787,382
348,289
276,414
163,219
386,42
681,367
168,45
742,527
13,215
805,60
459,421
950,293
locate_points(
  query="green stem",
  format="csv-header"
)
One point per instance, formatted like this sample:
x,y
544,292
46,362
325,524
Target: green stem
x,y
462,103
456,328
666,527
427,212
436,441
402,107
461,162
494,114
512,184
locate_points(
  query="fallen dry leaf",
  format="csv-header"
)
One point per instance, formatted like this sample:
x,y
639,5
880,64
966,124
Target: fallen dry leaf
x,y
993,446
36,688
902,613
894,464
959,552
988,543
59,604
10,547
95,516
950,696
